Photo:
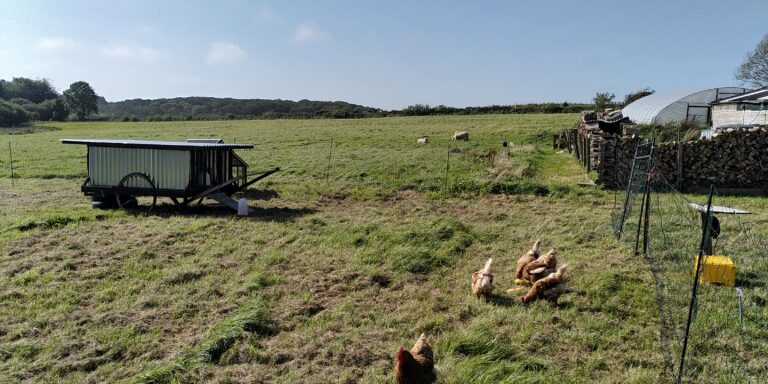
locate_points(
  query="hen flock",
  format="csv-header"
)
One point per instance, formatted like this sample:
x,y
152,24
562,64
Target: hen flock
x,y
541,272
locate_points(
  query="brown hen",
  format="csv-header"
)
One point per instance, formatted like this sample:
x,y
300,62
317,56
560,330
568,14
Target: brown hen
x,y
525,259
550,287
542,266
416,366
482,280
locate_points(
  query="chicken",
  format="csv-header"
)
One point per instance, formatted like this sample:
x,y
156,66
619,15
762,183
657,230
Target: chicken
x,y
541,267
521,276
482,280
416,366
550,287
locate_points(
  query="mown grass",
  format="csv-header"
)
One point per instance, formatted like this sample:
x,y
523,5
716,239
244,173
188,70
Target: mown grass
x,y
341,266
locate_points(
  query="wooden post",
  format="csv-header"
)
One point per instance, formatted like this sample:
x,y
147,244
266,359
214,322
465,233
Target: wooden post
x,y
601,165
577,146
447,164
328,170
10,154
679,165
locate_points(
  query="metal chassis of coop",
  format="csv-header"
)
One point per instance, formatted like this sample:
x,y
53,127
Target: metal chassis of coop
x,y
121,170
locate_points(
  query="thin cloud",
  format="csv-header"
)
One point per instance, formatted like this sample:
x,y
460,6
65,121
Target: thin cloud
x,y
266,15
224,52
56,43
310,33
132,51
145,30
182,79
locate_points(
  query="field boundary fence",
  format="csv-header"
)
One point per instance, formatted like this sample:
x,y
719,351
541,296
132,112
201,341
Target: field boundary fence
x,y
335,167
709,263
448,169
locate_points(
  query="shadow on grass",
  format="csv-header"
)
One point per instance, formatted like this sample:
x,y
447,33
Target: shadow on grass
x,y
750,280
278,214
260,194
503,300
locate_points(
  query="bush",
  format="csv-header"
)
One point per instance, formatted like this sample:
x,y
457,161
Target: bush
x,y
669,132
12,115
52,109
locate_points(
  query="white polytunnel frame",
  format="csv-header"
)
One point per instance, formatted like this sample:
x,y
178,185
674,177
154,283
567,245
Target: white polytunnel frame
x,y
674,107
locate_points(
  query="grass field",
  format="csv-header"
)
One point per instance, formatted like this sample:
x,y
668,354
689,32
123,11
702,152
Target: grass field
x,y
357,248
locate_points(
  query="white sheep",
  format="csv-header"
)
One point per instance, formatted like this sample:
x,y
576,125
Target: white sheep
x,y
423,140
460,135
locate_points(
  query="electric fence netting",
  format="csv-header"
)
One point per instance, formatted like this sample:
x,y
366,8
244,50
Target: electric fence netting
x,y
714,330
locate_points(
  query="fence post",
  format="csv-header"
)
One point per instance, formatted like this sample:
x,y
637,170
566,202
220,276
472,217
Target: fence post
x,y
328,169
647,214
447,164
704,238
10,154
643,208
589,153
577,145
679,162
741,308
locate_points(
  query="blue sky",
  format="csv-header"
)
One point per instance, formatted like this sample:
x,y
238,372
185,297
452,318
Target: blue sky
x,y
386,54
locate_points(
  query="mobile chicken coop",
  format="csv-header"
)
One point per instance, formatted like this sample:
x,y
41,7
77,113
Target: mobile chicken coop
x,y
119,171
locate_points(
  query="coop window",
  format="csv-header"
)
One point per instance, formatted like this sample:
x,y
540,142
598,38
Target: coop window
x,y
749,107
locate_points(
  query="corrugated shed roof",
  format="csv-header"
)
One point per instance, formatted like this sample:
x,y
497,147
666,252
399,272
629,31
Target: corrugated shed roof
x,y
155,144
759,94
644,110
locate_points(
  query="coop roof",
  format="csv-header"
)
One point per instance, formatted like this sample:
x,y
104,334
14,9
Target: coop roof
x,y
665,107
155,144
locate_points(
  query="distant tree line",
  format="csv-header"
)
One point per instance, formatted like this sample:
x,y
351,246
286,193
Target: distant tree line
x,y
426,110
23,100
212,108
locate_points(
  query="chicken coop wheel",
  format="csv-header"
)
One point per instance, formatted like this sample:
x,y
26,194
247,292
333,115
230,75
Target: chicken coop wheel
x,y
133,185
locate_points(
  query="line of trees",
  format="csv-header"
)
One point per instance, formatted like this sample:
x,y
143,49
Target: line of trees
x,y
23,100
426,110
210,108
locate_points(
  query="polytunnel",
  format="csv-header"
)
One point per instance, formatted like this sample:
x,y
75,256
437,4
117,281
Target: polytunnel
x,y
674,107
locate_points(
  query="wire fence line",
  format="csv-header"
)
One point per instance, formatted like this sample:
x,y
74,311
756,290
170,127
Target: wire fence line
x,y
350,164
728,325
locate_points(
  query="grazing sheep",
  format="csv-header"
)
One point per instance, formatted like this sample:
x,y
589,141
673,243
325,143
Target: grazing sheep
x,y
423,140
460,135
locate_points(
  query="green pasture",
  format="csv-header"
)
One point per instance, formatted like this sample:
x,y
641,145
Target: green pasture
x,y
360,243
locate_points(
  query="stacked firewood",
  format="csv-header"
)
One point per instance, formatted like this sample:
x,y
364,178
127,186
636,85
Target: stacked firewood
x,y
606,172
733,158
595,148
